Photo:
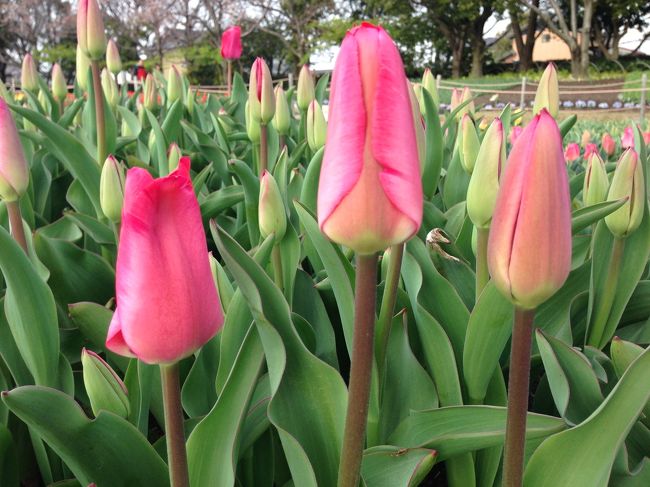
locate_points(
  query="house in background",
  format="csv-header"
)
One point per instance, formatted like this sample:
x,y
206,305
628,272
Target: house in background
x,y
548,47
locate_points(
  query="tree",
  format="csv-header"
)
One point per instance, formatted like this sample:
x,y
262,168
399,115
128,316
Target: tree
x,y
612,20
524,38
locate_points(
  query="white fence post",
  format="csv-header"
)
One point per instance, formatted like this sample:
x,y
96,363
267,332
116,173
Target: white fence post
x,y
644,87
522,97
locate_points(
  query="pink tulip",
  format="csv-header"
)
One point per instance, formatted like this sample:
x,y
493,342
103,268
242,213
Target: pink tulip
x,y
529,248
167,303
627,139
608,144
231,43
370,192
646,138
14,172
514,133
572,152
590,148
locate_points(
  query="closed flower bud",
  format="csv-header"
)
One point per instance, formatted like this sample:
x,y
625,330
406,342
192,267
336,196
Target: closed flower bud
x,y
14,172
306,92
272,214
529,248
316,126
608,144
590,149
417,91
370,189
174,85
261,99
113,61
90,30
514,133
456,98
585,139
59,86
627,139
109,86
282,119
231,47
627,183
572,152
469,108
29,75
189,103
252,125
468,143
150,93
418,122
174,156
429,84
484,183
82,69
548,90
594,189
111,189
105,389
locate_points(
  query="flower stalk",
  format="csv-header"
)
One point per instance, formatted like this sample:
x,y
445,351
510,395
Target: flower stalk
x,y
176,453
99,113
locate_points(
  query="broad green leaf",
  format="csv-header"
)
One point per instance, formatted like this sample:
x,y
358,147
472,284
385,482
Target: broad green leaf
x,y
159,149
309,193
567,124
221,200
9,473
434,147
251,186
589,215
389,466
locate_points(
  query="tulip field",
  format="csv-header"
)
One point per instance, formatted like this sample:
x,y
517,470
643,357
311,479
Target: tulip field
x,y
247,289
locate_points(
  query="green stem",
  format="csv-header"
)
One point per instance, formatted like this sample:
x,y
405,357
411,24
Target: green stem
x,y
229,76
283,142
276,256
595,336
518,381
176,454
360,371
482,272
264,149
16,224
387,309
99,114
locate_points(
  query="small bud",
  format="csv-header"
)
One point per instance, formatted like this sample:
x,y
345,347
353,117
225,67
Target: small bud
x,y
548,90
590,149
608,144
150,93
306,92
594,189
252,125
174,85
418,122
272,214
456,98
469,108
111,189
484,183
113,61
260,94
468,143
627,139
59,86
174,156
105,389
627,183
14,172
572,152
417,91
585,139
43,100
429,84
282,119
316,126
29,75
81,71
90,30
109,86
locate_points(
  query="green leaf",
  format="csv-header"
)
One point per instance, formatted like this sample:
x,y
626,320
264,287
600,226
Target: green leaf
x,y
159,150
593,444
8,459
434,147
251,185
389,466
567,124
321,88
309,193
589,215
221,200
108,451
171,124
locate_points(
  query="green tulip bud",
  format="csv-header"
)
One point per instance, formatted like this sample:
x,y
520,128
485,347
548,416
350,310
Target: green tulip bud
x,y
111,189
465,95
429,84
174,85
316,126
90,30
272,214
113,61
189,100
59,86
29,75
282,119
150,93
174,156
43,100
627,183
468,143
306,92
420,133
252,125
594,189
109,87
261,99
105,389
81,72
548,92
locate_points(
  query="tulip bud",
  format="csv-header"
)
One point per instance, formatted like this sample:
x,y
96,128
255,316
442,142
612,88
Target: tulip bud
x,y
306,92
594,189
81,71
261,99
272,214
456,98
59,86
231,47
469,108
90,30
529,247
608,144
282,119
174,156
316,126
174,85
417,91
189,103
484,183
14,172
252,125
113,61
627,139
43,100
627,183
418,122
150,93
29,75
467,143
429,84
109,86
548,90
572,152
105,389
111,189
514,133
585,139
590,149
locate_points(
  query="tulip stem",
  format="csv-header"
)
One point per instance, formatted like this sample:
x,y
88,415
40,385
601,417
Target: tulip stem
x,y
518,382
283,142
229,76
276,256
16,224
264,149
482,272
387,309
99,114
176,454
595,336
360,371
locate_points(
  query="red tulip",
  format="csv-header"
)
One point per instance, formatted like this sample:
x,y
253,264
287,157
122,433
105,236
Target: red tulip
x,y
529,248
167,303
572,152
646,137
627,139
608,144
231,43
590,148
370,192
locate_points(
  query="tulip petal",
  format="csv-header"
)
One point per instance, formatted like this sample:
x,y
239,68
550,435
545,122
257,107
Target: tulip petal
x,y
115,339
